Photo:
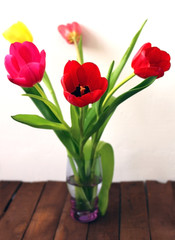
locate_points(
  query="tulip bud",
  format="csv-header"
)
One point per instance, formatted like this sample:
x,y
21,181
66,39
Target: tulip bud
x,y
18,32
150,61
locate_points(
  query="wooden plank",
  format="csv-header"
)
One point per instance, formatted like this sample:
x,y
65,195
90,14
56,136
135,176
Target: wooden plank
x,y
161,202
134,218
46,218
7,189
13,224
68,228
107,227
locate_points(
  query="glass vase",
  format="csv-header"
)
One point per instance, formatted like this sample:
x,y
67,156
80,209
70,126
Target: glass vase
x,y
84,191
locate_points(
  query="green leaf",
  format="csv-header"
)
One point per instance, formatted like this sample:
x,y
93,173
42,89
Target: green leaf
x,y
144,84
118,70
87,156
38,122
80,47
109,80
97,105
109,110
43,108
48,84
105,150
51,106
75,129
60,129
91,117
100,131
65,137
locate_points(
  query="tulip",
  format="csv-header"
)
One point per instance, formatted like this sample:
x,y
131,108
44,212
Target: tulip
x,y
70,32
18,32
25,64
83,84
150,61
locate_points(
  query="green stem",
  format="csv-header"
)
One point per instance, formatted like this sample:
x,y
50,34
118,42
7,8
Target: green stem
x,y
113,90
93,162
81,121
41,92
94,146
73,166
79,58
81,124
48,84
81,194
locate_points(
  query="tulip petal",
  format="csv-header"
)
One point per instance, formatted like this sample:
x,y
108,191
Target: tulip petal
x,y
140,55
30,52
76,27
71,79
25,52
165,65
21,81
71,66
67,83
15,51
93,96
93,75
152,71
32,72
85,99
63,31
43,58
76,101
82,76
11,65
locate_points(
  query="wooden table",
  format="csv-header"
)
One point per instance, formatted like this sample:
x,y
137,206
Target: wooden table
x,y
40,211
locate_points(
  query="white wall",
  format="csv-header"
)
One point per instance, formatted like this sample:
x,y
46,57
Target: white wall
x,y
142,130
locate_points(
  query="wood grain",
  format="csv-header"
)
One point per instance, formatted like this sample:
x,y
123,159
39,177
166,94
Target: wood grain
x,y
47,214
134,219
161,203
107,227
68,228
41,210
17,217
7,192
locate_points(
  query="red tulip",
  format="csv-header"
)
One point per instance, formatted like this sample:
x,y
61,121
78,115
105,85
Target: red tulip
x,y
25,64
70,32
150,61
83,84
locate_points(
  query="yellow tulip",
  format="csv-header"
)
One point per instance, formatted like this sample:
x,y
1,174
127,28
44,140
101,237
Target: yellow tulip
x,y
18,32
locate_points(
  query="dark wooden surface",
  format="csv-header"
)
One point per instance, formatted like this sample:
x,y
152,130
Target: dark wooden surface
x,y
40,211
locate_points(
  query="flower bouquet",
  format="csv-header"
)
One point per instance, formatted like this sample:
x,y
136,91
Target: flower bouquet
x,y
92,103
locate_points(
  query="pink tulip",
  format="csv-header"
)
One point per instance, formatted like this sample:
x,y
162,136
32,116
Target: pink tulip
x,y
25,64
70,32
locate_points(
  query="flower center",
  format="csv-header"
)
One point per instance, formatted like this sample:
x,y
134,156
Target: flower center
x,y
80,91
73,36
